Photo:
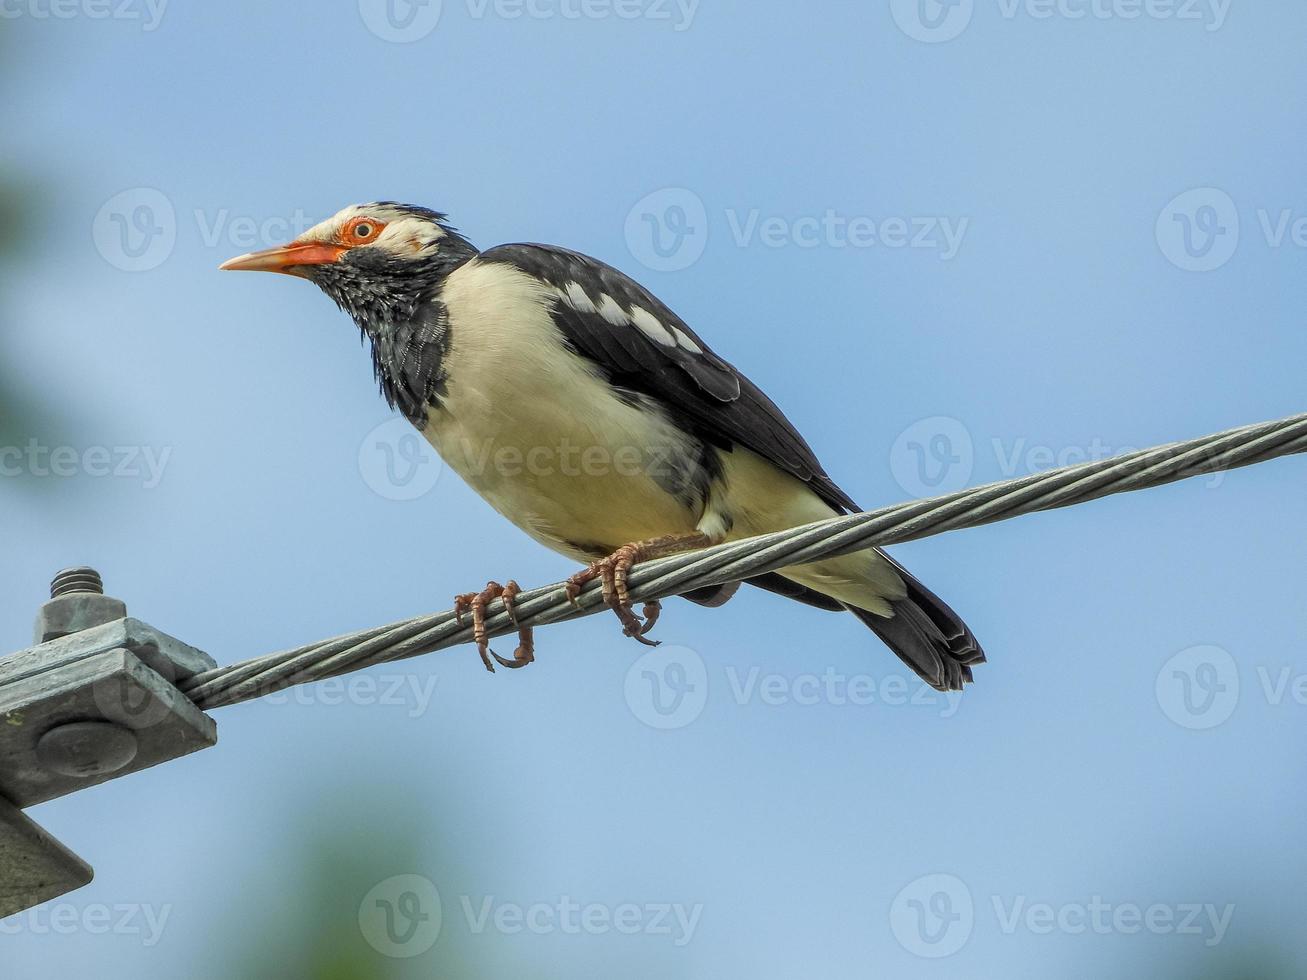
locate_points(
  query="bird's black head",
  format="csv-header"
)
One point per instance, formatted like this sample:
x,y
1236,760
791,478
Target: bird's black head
x,y
380,262
383,264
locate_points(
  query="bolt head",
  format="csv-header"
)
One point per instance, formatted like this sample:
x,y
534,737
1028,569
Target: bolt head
x,y
75,612
87,748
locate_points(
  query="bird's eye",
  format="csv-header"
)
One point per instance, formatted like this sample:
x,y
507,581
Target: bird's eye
x,y
363,230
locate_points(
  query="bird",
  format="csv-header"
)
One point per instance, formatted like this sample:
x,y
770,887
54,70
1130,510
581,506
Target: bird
x,y
587,413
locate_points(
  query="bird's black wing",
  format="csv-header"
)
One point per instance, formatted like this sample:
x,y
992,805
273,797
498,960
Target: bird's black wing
x,y
642,346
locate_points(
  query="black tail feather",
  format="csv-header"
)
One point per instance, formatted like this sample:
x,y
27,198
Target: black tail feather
x,y
927,635
924,632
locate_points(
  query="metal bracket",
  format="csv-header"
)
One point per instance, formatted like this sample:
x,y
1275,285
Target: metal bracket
x,y
34,867
95,699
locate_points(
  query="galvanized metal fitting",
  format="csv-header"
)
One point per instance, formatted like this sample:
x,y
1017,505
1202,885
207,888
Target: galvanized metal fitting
x,y
77,602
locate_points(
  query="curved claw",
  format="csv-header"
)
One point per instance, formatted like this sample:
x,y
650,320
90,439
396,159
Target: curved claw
x,y
525,652
477,602
651,611
614,571
520,659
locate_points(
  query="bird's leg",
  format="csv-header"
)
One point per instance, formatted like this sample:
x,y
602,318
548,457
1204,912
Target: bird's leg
x,y
614,570
477,602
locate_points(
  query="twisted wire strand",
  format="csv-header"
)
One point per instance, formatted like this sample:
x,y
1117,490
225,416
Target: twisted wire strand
x,y
749,557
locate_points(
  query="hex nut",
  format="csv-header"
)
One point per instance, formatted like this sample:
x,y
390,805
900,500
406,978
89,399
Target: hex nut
x,y
75,612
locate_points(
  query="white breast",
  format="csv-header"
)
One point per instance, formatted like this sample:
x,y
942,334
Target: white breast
x,y
537,432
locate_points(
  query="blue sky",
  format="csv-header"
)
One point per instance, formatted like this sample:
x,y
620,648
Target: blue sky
x,y
954,243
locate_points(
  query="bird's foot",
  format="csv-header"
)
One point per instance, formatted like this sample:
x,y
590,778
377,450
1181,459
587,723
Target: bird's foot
x,y
613,572
477,602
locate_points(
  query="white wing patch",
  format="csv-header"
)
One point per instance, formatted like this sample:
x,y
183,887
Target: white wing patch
x,y
578,299
652,327
610,311
665,335
683,341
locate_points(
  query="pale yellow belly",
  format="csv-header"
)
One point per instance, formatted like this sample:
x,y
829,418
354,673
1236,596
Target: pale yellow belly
x,y
581,478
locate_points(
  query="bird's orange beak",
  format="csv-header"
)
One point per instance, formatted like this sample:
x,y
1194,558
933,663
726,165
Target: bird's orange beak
x,y
289,259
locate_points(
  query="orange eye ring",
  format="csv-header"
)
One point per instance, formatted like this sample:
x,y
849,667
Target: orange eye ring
x,y
361,231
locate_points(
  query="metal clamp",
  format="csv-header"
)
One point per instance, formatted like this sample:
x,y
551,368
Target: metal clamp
x,y
95,699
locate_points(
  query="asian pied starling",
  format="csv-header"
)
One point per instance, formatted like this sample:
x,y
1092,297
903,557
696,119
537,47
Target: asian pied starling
x,y
626,437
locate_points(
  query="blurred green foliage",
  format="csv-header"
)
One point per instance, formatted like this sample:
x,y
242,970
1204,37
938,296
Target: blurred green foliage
x,y
303,920
309,928
24,408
